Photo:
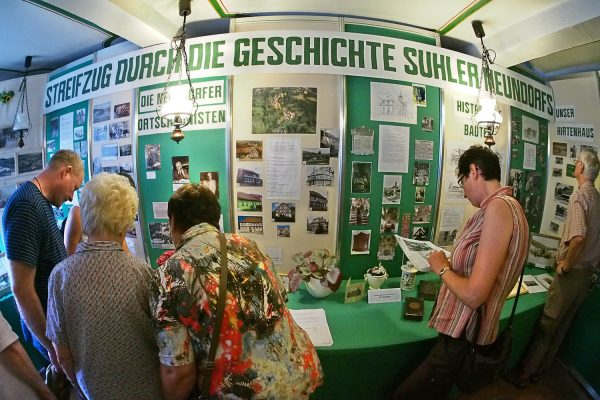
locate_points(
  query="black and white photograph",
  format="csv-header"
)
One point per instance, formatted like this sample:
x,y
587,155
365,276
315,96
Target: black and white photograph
x,y
390,217
319,176
250,224
559,149
249,176
330,139
553,227
78,133
119,130
419,194
317,200
181,169
317,225
124,150
248,150
97,165
7,165
361,177
110,152
315,156
558,160
283,212
100,133
80,116
423,150
110,169
593,149
557,172
210,180
447,238
8,138
560,212
419,95
101,112
422,214
360,208
421,174
152,154
83,149
160,237
562,192
122,110
516,180
573,151
387,247
282,110
361,242
392,189
542,250
30,162
427,124
531,129
126,168
5,192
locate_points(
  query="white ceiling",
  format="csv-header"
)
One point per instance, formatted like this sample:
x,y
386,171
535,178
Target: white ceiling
x,y
556,37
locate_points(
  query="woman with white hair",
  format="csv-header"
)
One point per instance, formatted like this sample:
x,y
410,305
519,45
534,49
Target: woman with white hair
x,y
98,314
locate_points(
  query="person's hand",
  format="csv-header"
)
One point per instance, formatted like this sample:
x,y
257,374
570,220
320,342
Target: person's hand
x,y
561,268
53,358
437,260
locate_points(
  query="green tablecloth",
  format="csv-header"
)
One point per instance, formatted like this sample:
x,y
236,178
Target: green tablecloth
x,y
374,348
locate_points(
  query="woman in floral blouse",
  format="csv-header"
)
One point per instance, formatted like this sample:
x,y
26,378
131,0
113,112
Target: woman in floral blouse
x,y
262,353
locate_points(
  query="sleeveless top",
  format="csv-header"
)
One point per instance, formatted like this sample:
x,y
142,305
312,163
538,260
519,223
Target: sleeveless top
x,y
452,317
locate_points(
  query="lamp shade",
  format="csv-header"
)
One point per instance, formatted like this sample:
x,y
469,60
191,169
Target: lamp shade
x,y
487,113
21,122
178,102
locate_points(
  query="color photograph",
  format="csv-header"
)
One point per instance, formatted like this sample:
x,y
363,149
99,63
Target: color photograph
x,y
282,110
361,177
29,162
101,112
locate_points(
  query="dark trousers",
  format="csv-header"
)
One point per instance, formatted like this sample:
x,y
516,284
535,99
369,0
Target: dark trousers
x,y
434,378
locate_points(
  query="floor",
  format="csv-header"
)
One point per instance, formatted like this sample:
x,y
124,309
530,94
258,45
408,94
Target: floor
x,y
556,384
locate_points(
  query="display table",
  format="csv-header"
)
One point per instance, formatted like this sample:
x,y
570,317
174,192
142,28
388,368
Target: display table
x,y
374,348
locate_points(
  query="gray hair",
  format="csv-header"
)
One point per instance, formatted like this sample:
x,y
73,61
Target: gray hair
x,y
66,157
108,205
591,165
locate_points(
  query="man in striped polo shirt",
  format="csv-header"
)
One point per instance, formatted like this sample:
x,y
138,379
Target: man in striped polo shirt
x,y
34,244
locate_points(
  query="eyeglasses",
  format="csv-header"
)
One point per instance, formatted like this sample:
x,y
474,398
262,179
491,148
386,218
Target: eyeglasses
x,y
460,180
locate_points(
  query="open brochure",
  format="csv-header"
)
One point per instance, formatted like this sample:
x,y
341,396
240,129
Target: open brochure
x,y
314,322
417,251
544,279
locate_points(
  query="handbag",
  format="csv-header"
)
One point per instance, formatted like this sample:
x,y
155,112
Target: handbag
x,y
208,365
485,363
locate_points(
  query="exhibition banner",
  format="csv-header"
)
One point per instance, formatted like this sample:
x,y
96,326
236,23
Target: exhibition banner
x,y
317,52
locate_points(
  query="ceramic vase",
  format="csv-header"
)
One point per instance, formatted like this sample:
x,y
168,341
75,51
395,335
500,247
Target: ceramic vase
x,y
375,281
317,290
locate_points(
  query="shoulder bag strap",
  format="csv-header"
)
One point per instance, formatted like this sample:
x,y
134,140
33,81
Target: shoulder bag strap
x,y
514,308
209,365
512,314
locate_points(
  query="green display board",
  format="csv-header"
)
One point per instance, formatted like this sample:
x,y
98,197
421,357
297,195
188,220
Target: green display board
x,y
528,173
412,214
64,127
207,151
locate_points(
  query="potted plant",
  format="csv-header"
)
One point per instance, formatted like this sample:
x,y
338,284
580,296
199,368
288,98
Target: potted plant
x,y
318,269
375,276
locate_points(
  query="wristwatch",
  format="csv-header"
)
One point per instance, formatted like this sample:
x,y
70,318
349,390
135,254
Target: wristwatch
x,y
443,271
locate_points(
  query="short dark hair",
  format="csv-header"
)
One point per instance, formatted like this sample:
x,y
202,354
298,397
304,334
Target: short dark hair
x,y
484,158
193,204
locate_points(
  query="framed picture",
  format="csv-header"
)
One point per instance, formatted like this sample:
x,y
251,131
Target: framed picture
x,y
542,250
